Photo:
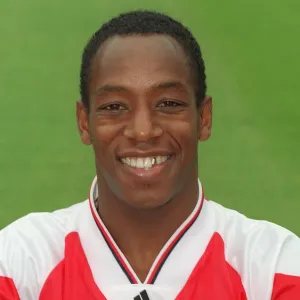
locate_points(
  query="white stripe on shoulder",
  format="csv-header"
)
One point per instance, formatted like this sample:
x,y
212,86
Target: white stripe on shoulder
x,y
36,243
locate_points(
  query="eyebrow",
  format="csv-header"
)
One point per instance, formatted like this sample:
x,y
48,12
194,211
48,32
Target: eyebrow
x,y
107,88
110,88
168,85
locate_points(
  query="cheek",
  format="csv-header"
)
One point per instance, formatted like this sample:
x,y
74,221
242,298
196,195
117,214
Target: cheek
x,y
185,130
185,135
104,133
103,136
103,130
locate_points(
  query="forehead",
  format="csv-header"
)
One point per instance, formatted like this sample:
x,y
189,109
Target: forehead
x,y
141,60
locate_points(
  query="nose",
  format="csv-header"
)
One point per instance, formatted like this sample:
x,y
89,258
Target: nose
x,y
143,126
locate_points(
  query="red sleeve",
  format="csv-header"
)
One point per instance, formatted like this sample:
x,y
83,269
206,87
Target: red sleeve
x,y
8,290
286,284
286,287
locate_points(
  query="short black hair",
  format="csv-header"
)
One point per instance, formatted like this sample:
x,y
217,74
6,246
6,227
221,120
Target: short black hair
x,y
142,22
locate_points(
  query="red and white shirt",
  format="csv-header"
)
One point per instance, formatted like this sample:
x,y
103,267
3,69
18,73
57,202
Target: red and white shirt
x,y
216,254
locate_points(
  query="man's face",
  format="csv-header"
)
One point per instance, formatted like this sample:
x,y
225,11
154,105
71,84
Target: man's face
x,y
143,121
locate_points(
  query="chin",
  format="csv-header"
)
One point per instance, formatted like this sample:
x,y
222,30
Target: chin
x,y
146,201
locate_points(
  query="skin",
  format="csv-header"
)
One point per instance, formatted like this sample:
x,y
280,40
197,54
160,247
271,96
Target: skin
x,y
142,103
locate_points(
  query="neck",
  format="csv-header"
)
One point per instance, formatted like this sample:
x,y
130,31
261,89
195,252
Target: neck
x,y
145,232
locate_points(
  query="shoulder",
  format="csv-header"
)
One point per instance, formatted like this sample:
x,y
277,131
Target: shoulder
x,y
233,224
256,249
35,242
41,225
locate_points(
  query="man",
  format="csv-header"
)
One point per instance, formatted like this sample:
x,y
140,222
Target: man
x,y
146,232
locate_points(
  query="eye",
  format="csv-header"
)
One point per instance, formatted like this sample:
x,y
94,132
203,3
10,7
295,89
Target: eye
x,y
171,106
113,107
169,103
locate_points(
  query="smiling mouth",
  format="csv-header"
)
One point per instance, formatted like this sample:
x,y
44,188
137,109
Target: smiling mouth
x,y
145,163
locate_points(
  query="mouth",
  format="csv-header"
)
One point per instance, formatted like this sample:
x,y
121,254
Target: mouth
x,y
146,166
145,163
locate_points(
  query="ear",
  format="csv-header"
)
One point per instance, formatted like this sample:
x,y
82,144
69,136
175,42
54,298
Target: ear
x,y
205,117
82,123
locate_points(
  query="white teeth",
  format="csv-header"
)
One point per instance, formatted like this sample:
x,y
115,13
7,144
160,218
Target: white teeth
x,y
140,163
164,158
132,162
144,162
148,163
158,160
161,159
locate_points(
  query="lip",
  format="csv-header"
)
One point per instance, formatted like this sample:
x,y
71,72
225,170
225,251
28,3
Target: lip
x,y
150,174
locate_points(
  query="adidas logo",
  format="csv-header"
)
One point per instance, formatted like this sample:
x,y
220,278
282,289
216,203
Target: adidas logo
x,y
142,296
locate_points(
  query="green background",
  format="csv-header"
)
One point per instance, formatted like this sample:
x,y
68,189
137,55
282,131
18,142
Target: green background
x,y
251,49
